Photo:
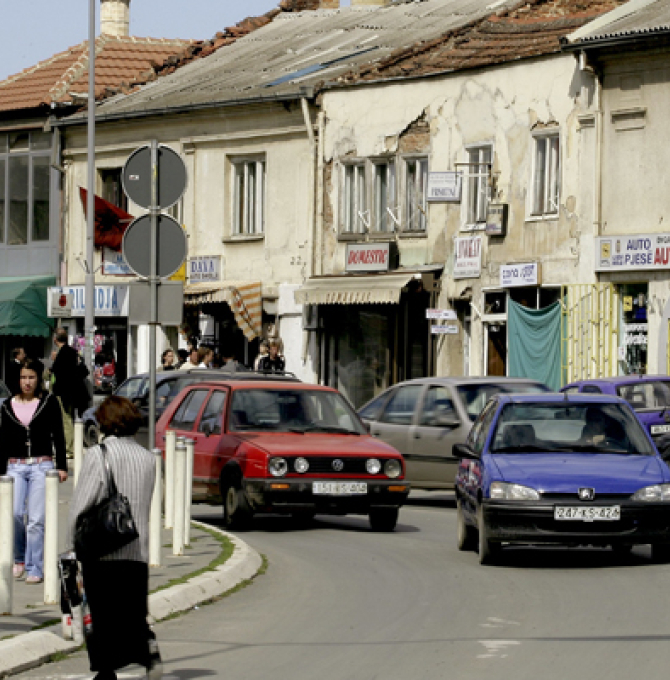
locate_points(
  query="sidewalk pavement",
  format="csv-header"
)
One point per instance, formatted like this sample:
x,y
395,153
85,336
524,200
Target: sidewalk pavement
x,y
32,633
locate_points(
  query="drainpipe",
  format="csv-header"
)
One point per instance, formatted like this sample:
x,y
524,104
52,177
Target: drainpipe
x,y
312,142
584,66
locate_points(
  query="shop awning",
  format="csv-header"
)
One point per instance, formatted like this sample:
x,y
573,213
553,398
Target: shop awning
x,y
243,297
353,290
23,306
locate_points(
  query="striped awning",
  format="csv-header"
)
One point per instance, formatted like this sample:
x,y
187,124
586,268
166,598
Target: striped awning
x,y
353,290
243,297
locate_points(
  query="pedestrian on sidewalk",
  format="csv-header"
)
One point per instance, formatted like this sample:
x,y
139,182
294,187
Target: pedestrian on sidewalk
x,y
13,370
273,362
117,586
168,360
31,431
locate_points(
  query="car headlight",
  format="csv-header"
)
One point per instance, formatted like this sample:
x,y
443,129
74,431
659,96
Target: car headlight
x,y
513,492
301,465
373,466
653,494
392,468
278,467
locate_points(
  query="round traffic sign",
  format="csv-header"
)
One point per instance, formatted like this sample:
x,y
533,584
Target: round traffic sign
x,y
170,246
136,177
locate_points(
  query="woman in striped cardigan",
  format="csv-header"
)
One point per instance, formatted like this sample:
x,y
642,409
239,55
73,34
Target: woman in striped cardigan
x,y
117,585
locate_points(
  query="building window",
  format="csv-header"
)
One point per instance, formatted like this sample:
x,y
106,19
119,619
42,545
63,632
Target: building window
x,y
478,173
546,175
112,188
249,197
384,195
416,186
356,219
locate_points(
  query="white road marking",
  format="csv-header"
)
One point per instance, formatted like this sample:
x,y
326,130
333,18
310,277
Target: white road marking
x,y
493,622
495,648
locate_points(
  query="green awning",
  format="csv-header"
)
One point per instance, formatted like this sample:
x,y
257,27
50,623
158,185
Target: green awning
x,y
23,306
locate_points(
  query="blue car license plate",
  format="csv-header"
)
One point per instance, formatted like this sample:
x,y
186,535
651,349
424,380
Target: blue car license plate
x,y
590,513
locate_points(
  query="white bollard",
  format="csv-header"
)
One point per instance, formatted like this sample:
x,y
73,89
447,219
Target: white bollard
x,y
78,447
155,519
51,577
170,443
188,489
179,509
6,545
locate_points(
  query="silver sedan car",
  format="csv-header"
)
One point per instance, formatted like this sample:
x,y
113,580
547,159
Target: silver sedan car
x,y
424,418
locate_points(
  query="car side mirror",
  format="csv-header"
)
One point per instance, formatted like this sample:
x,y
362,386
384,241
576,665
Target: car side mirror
x,y
446,420
207,429
366,425
464,452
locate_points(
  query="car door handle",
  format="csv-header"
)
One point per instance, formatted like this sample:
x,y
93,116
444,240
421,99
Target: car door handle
x,y
374,434
417,435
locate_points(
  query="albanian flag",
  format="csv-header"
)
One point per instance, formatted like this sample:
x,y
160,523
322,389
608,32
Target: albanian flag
x,y
110,222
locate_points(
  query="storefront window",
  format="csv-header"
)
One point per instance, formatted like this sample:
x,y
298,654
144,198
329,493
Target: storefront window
x,y
633,337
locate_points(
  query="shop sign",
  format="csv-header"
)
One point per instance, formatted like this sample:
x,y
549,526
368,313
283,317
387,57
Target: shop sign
x,y
496,219
512,275
109,300
204,268
639,251
60,304
444,330
114,264
445,314
468,257
635,334
444,187
368,257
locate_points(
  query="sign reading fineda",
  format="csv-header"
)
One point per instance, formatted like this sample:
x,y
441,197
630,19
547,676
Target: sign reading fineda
x,y
368,257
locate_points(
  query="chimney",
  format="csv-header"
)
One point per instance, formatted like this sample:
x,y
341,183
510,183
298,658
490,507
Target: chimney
x,y
370,3
115,17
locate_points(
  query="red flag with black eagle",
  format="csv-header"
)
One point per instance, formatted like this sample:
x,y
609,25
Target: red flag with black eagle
x,y
110,222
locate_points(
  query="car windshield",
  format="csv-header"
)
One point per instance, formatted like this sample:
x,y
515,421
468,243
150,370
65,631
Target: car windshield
x,y
299,411
475,396
652,394
569,427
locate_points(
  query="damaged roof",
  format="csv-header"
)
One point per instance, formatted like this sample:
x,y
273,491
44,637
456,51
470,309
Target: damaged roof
x,y
638,18
63,78
297,51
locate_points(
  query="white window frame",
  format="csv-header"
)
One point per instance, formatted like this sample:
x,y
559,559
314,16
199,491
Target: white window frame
x,y
250,219
355,213
546,178
415,197
477,182
385,213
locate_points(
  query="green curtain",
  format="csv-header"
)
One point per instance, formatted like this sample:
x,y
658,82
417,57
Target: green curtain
x,y
23,306
534,339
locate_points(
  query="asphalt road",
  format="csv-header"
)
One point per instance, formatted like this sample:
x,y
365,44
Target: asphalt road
x,y
339,602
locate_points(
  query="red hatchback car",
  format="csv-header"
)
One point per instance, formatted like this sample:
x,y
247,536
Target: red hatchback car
x,y
286,447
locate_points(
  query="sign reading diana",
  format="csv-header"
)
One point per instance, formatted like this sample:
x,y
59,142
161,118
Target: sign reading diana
x,y
468,257
109,300
640,251
368,257
204,269
512,275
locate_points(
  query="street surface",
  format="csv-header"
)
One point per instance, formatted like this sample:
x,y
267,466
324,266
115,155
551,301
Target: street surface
x,y
339,602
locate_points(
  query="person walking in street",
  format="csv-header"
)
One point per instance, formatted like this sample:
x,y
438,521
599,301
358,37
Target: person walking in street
x,y
168,360
273,362
13,370
31,431
117,585
263,352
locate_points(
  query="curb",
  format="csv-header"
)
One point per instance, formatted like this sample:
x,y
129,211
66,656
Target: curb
x,y
29,650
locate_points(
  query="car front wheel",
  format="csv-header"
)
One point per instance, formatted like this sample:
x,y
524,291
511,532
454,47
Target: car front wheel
x,y
488,550
236,511
383,519
660,552
465,534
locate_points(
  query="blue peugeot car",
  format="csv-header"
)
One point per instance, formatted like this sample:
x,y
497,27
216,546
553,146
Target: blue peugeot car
x,y
568,469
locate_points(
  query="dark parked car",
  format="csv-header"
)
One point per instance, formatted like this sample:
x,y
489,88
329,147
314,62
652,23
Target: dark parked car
x,y
561,469
424,418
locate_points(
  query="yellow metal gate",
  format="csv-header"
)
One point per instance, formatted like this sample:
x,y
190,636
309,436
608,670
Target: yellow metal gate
x,y
589,331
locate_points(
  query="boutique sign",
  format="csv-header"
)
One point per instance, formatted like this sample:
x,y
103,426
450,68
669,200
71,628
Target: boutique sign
x,y
639,251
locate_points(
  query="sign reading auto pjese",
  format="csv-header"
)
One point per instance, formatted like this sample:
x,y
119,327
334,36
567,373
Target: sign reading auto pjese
x,y
638,251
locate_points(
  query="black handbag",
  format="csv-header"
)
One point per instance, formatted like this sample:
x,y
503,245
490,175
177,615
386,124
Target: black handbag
x,y
107,526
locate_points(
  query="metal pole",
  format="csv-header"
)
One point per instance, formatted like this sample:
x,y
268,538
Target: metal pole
x,y
51,579
170,443
6,545
89,280
179,510
188,489
153,282
78,447
155,515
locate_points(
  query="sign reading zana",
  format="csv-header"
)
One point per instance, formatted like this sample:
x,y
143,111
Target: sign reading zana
x,y
639,251
512,275
468,258
368,257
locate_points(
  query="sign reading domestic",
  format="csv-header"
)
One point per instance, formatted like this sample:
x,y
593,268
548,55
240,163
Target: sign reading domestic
x,y
368,257
527,274
639,251
468,257
204,268
444,186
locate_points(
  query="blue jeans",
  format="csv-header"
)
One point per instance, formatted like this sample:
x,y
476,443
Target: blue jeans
x,y
29,496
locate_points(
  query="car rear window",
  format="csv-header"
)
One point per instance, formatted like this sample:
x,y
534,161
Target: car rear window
x,y
475,396
652,394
